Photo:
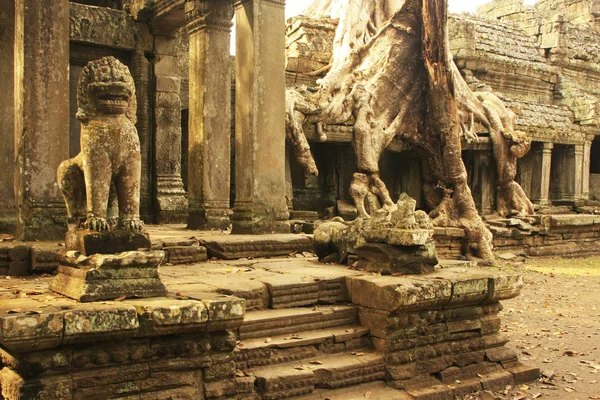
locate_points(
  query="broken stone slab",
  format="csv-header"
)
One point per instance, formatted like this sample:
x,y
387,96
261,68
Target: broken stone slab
x,y
161,316
388,259
410,237
91,242
224,312
108,276
231,247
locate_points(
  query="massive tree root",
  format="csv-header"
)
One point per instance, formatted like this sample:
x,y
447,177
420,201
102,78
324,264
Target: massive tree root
x,y
397,81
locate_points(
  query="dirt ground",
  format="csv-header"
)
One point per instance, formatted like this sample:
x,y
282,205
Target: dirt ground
x,y
555,325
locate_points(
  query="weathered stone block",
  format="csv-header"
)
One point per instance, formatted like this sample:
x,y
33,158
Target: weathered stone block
x,y
522,373
389,259
19,268
219,371
23,327
91,242
185,254
410,237
164,315
399,293
497,381
19,253
108,277
217,389
43,260
167,84
92,322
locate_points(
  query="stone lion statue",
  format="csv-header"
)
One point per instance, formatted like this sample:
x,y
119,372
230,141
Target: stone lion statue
x,y
107,170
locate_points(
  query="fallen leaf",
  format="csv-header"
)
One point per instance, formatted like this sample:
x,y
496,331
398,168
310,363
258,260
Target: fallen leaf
x,y
368,395
121,298
569,389
299,367
267,340
536,395
33,312
316,362
523,387
14,311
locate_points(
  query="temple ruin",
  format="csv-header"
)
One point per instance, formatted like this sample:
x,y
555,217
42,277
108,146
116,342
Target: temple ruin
x,y
312,216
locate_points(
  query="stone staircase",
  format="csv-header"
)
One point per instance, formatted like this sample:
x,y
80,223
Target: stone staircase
x,y
293,351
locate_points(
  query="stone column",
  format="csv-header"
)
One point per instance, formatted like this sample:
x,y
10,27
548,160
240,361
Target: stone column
x,y
578,166
209,133
141,72
8,207
540,189
260,205
42,116
585,183
171,202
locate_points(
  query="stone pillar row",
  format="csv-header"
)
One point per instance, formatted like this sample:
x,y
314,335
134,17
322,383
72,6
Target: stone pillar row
x,y
41,112
260,205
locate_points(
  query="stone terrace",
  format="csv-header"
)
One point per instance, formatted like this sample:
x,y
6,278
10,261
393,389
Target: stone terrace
x,y
302,328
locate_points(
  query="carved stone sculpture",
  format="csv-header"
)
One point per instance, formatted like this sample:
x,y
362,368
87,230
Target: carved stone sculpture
x,y
110,150
397,242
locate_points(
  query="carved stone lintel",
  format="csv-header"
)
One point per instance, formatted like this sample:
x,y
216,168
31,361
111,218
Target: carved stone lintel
x,y
108,27
209,15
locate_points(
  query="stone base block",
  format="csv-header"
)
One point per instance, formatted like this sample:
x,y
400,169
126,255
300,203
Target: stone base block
x,y
388,259
108,277
246,220
90,242
211,219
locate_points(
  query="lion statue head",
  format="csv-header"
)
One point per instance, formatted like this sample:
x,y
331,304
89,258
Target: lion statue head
x,y
106,87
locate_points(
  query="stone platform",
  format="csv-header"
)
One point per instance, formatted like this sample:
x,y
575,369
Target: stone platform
x,y
264,329
545,235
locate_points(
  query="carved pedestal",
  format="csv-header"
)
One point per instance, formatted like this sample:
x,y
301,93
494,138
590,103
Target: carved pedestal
x,y
109,276
89,242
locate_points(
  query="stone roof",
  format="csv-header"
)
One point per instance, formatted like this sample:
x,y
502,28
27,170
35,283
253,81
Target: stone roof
x,y
500,39
544,121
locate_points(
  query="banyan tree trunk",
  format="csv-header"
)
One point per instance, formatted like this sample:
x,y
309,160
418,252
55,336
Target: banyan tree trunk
x,y
457,207
395,79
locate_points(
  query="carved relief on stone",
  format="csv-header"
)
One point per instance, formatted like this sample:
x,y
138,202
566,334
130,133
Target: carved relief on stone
x,y
107,27
107,170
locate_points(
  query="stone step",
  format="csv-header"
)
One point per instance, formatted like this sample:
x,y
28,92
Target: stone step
x,y
377,390
276,322
323,371
280,349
